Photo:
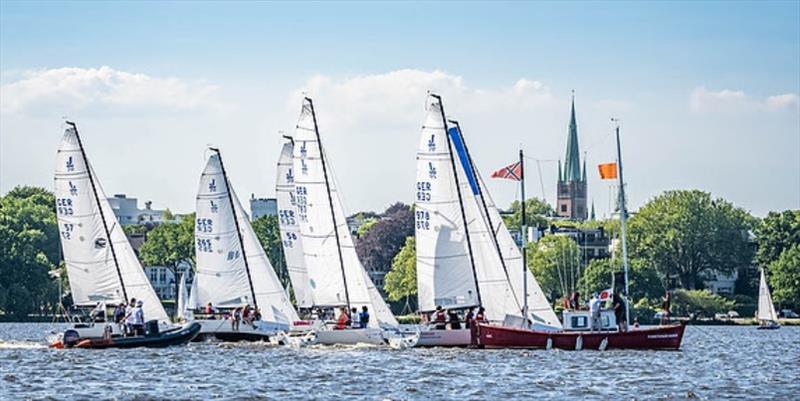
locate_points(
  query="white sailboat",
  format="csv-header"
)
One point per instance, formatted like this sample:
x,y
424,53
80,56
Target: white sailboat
x,y
336,277
232,269
101,264
767,317
465,255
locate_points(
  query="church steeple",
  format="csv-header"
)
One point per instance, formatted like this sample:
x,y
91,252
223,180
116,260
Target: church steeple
x,y
572,162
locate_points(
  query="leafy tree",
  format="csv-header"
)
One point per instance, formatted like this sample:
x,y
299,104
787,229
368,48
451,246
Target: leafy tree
x,y
699,302
401,281
555,262
383,240
643,280
784,277
268,232
364,227
688,235
536,213
137,229
170,245
776,233
29,249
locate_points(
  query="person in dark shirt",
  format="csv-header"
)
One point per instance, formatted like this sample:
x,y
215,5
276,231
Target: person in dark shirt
x,y
469,317
618,304
452,317
364,317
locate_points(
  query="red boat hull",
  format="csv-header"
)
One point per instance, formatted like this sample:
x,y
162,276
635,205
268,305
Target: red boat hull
x,y
663,337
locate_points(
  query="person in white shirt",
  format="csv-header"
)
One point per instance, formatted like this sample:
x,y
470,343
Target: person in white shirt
x,y
355,319
129,317
594,307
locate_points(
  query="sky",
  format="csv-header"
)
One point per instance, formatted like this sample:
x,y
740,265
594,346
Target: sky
x,y
708,93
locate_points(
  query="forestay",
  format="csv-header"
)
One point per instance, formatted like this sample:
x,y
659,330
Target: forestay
x,y
444,272
93,274
318,206
222,275
290,230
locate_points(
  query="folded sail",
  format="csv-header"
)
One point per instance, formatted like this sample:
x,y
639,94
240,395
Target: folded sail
x,y
330,255
444,273
290,231
93,273
223,278
766,309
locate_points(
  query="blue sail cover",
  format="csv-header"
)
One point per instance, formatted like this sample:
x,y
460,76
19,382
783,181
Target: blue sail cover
x,y
461,151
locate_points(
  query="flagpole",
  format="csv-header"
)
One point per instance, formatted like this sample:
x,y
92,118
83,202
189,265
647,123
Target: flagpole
x,y
524,232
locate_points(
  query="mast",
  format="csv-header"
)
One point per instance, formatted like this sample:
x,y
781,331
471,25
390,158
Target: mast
x,y
100,208
330,201
460,198
524,232
623,216
238,229
485,207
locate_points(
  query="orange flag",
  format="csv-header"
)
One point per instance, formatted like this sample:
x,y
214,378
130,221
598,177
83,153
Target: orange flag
x,y
608,171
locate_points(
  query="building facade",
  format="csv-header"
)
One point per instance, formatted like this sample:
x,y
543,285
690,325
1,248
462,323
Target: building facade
x,y
571,193
262,207
127,211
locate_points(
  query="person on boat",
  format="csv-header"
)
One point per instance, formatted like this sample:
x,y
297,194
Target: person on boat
x,y
119,313
343,321
364,317
235,316
98,314
355,318
256,314
480,317
246,317
138,313
594,308
619,310
665,306
210,311
469,317
129,318
575,300
440,318
452,317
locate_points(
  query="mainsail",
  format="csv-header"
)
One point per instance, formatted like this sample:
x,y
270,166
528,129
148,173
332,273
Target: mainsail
x,y
232,268
101,263
289,228
766,309
335,274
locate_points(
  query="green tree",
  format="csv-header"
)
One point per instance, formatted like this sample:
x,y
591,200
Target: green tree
x,y
268,232
555,262
699,302
784,277
29,249
170,245
365,226
643,280
688,235
536,213
401,281
775,233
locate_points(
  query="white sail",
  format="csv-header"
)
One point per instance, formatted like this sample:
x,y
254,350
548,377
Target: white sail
x,y
330,255
766,309
223,278
183,311
444,272
290,230
93,273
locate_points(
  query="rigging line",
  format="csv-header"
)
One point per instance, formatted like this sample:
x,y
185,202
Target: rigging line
x,y
541,180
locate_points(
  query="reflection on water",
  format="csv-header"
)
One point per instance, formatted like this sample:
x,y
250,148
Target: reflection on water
x,y
715,363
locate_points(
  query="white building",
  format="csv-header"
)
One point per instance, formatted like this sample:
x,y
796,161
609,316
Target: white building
x,y
262,207
127,211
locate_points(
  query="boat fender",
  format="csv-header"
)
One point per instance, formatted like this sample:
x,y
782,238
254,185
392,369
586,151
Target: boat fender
x,y
604,344
70,338
83,343
579,343
549,343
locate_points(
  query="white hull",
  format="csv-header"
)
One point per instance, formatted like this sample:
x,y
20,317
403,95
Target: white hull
x,y
444,338
350,337
95,330
222,329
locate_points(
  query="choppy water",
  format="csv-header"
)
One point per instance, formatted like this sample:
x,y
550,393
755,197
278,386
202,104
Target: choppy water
x,y
715,363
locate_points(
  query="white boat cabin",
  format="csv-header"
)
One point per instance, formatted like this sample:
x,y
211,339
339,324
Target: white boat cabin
x,y
581,320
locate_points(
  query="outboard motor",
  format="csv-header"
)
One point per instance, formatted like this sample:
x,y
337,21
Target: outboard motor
x,y
70,338
151,328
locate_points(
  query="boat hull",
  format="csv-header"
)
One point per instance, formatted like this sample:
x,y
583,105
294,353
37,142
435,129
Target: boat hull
x,y
444,338
178,336
222,330
658,338
350,337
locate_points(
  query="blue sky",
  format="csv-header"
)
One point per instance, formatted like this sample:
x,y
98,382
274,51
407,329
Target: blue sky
x,y
707,91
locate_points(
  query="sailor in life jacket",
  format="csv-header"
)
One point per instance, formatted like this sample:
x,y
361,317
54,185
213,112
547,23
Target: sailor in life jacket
x,y
481,315
343,320
440,318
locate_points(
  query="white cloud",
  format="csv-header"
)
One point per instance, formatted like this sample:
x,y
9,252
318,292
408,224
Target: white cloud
x,y
71,89
703,99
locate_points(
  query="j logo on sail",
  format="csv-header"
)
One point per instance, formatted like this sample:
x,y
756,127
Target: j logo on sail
x,y
303,152
214,207
70,164
432,144
431,170
289,176
305,166
212,186
73,190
